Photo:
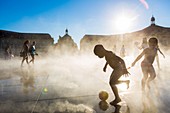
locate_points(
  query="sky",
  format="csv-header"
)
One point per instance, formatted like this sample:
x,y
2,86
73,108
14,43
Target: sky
x,y
81,17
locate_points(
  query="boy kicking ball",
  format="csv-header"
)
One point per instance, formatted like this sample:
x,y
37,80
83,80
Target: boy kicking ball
x,y
119,69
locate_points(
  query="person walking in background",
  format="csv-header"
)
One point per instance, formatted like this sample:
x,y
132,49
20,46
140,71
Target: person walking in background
x,y
24,52
122,51
144,44
8,52
32,51
114,48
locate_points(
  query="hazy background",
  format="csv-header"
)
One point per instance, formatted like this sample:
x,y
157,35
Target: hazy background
x,y
72,83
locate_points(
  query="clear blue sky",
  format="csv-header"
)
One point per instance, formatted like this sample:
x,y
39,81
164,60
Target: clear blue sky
x,y
79,16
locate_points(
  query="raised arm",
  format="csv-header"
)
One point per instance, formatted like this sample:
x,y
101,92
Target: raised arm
x,y
138,58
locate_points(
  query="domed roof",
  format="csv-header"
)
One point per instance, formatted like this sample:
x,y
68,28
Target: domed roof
x,y
66,31
66,36
152,18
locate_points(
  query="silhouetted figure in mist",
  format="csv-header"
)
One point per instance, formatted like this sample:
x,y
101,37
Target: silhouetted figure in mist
x,y
149,56
119,67
8,52
103,105
24,52
144,44
138,47
114,48
32,51
122,51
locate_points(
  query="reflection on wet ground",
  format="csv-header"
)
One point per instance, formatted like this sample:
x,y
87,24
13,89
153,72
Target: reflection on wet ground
x,y
36,90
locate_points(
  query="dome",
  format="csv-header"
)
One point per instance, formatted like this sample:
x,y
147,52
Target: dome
x,y
153,18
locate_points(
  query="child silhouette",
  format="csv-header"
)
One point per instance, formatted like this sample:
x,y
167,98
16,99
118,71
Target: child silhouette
x,y
119,69
149,56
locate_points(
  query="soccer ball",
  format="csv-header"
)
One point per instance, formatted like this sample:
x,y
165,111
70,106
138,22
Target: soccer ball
x,y
103,105
103,95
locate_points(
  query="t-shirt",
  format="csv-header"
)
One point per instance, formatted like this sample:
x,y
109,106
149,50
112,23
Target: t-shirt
x,y
32,49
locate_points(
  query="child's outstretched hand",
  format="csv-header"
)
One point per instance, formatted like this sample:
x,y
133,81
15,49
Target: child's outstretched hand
x,y
133,64
126,73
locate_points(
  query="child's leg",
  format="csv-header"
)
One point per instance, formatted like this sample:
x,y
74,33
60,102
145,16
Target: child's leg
x,y
117,97
145,75
123,81
27,60
116,74
113,81
152,75
31,59
22,61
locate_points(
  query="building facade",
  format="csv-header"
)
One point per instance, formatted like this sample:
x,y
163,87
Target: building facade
x,y
66,45
88,42
15,40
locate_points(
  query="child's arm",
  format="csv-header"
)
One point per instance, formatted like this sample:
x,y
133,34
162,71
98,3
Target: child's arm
x,y
138,58
161,52
157,59
104,69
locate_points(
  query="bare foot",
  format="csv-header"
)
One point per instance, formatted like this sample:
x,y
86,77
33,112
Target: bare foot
x,y
128,82
115,101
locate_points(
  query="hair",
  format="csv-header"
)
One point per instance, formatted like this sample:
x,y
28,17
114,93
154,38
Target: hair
x,y
34,42
98,50
153,40
26,42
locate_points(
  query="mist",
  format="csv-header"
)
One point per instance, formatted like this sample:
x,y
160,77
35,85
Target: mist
x,y
71,83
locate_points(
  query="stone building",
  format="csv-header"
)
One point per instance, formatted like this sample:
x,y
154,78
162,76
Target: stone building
x,y
66,45
16,40
88,42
